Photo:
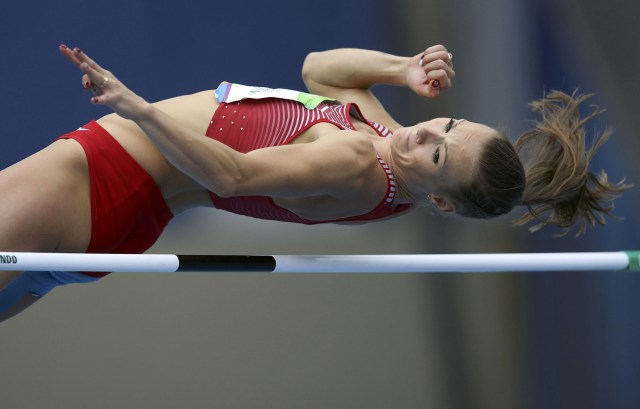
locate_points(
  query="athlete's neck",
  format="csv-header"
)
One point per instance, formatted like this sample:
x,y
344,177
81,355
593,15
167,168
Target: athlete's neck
x,y
364,127
383,149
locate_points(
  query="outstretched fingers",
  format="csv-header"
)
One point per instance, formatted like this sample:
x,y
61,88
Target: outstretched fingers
x,y
106,88
95,77
69,55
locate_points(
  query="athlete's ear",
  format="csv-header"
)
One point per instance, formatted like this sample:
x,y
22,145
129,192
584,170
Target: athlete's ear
x,y
443,204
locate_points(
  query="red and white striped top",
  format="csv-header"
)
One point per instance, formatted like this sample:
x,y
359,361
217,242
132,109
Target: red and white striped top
x,y
259,123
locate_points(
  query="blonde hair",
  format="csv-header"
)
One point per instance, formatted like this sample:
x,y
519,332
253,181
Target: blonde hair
x,y
560,189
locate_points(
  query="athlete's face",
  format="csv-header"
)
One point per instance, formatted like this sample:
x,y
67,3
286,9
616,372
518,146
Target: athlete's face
x,y
435,156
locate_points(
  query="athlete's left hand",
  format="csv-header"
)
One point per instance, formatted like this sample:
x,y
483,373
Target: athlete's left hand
x,y
106,88
430,72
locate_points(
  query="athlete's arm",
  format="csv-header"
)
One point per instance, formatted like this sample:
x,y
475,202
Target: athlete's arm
x,y
317,168
322,167
347,74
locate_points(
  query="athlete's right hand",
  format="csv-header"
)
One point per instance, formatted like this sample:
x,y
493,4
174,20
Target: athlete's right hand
x,y
106,88
430,72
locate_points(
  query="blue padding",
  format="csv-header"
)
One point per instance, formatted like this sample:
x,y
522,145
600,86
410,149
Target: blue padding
x,y
38,284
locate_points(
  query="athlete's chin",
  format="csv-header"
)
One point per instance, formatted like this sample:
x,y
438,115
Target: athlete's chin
x,y
398,135
400,139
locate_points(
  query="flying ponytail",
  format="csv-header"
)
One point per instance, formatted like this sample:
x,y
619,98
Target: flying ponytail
x,y
560,189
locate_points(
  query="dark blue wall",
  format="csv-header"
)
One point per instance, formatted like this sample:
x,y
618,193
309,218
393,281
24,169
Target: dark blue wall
x,y
160,51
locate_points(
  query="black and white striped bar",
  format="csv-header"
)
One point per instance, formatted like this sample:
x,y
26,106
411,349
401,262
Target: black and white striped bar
x,y
386,263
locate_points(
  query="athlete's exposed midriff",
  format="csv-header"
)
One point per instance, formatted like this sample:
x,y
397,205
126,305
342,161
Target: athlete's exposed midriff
x,y
194,111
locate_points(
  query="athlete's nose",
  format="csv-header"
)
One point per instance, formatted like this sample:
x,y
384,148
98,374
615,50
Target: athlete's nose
x,y
429,133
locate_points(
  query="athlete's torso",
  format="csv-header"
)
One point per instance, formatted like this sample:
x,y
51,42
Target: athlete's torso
x,y
196,111
252,124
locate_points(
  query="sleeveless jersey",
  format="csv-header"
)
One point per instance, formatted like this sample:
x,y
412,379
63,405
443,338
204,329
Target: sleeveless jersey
x,y
251,124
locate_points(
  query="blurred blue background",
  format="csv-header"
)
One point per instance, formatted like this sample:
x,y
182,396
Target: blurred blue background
x,y
552,340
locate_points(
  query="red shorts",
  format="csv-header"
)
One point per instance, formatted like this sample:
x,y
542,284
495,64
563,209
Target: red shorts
x,y
128,212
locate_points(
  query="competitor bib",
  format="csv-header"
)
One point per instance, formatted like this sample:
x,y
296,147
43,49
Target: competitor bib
x,y
230,92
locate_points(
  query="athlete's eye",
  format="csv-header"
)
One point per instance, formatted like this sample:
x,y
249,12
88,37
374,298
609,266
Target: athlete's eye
x,y
449,125
436,155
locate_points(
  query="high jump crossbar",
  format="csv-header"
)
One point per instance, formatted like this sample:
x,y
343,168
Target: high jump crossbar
x,y
374,263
